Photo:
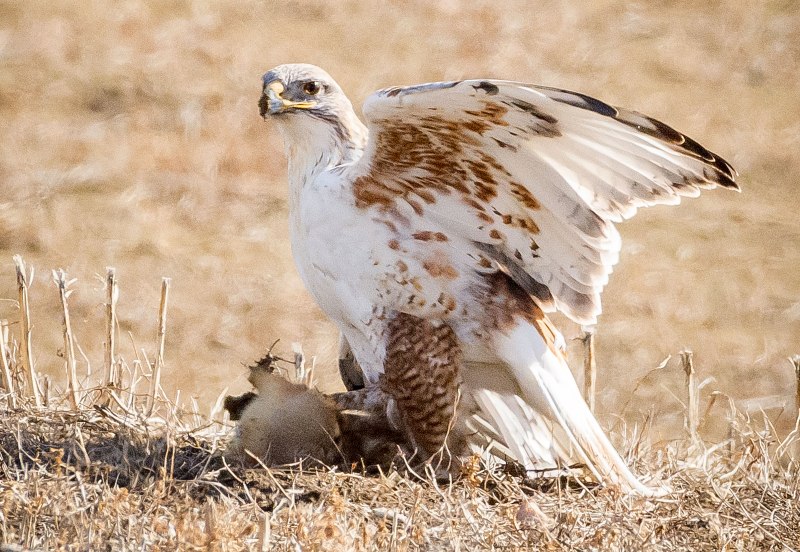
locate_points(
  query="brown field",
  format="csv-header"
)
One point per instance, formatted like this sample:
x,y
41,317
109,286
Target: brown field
x,y
129,137
98,484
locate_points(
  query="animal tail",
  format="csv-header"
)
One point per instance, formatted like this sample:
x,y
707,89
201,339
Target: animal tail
x,y
533,389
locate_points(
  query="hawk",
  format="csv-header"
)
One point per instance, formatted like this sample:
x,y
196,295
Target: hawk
x,y
438,237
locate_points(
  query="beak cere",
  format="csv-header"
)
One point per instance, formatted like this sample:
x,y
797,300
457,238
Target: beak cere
x,y
272,102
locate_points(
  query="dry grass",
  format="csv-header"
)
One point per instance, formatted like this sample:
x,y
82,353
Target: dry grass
x,y
110,479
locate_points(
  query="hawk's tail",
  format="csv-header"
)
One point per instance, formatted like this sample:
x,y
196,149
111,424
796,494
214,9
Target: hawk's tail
x,y
539,387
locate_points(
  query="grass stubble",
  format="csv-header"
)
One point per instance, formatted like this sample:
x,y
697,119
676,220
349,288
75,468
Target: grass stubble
x,y
113,464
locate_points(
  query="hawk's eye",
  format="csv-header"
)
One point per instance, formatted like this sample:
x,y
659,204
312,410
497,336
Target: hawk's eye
x,y
312,88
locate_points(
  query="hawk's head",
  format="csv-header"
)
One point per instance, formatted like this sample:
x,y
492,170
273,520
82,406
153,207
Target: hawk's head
x,y
309,106
299,88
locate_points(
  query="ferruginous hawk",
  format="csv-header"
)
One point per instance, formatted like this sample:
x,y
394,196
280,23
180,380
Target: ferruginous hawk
x,y
438,236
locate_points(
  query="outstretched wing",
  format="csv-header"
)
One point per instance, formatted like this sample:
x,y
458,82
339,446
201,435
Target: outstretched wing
x,y
535,177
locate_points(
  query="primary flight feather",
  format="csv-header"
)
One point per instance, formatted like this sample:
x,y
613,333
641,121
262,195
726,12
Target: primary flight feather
x,y
438,236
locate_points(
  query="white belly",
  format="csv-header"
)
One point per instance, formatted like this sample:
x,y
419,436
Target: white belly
x,y
333,257
330,252
361,268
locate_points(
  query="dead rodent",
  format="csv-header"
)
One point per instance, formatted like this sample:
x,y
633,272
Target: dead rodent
x,y
284,422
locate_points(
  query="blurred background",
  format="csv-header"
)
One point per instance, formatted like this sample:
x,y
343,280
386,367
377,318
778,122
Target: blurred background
x,y
130,137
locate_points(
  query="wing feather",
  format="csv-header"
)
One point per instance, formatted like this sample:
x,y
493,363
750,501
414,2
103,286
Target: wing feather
x,y
535,177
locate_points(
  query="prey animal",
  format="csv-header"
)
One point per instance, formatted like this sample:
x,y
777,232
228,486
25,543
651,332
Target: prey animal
x,y
439,235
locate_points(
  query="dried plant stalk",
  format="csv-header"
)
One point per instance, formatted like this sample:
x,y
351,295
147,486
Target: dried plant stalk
x,y
692,402
8,378
299,363
731,426
70,362
589,368
46,391
795,360
112,377
264,532
211,525
25,329
155,384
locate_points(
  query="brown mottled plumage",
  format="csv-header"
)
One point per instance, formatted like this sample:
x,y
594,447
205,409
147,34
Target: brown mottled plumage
x,y
422,376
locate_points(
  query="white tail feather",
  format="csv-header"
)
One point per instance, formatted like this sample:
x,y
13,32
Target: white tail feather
x,y
546,384
498,419
526,440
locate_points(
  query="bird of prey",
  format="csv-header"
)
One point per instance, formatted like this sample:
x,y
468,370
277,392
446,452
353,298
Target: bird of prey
x,y
438,237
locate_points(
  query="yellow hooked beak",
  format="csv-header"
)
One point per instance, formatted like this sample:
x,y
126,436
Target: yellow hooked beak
x,y
272,102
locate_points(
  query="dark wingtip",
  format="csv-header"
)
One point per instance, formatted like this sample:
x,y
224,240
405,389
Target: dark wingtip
x,y
729,180
728,184
723,172
723,175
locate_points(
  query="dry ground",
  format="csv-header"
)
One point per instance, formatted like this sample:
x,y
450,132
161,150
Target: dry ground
x,y
106,479
129,137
